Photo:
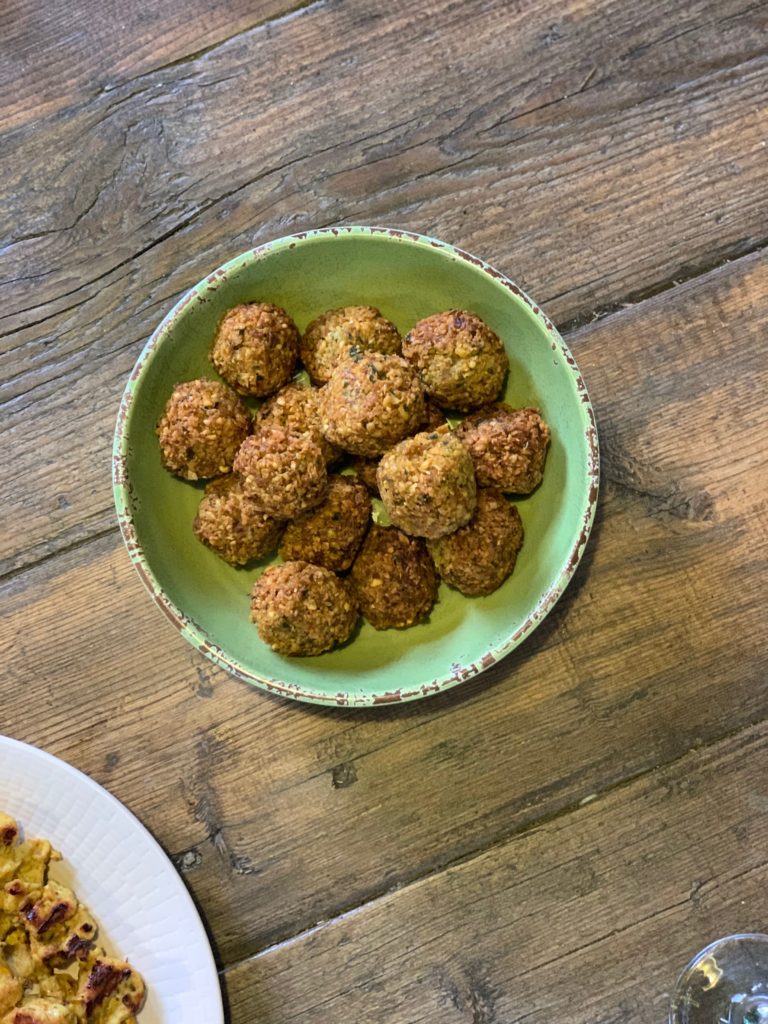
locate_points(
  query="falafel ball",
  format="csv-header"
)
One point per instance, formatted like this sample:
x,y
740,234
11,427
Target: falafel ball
x,y
232,526
301,609
393,578
256,348
283,472
478,557
460,360
328,339
203,425
508,447
427,484
330,534
371,402
365,468
296,406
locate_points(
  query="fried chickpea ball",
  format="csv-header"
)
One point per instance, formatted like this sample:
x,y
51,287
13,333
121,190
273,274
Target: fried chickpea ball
x,y
283,472
371,402
393,579
327,340
460,360
301,609
231,524
256,348
365,469
296,407
478,557
330,534
201,429
427,484
508,447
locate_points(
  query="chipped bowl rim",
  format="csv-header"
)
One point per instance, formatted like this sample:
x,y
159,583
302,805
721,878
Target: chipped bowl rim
x,y
195,634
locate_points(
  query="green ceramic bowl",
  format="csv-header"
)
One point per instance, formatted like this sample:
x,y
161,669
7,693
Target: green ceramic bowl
x,y
408,277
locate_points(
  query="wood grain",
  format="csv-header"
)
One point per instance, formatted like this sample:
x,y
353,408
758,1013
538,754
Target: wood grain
x,y
584,919
591,156
78,50
282,815
552,840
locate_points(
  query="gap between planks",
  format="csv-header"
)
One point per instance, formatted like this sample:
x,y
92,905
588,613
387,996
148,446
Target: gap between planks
x,y
687,276
505,839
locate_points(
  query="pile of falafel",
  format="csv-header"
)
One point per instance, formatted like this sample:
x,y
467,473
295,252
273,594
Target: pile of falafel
x,y
379,402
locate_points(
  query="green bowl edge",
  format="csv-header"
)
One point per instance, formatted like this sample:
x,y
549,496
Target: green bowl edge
x,y
192,632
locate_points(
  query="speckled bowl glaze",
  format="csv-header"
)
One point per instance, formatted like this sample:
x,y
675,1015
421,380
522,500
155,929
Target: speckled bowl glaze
x,y
408,277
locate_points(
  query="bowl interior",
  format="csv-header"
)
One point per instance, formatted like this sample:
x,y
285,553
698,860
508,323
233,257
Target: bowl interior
x,y
407,278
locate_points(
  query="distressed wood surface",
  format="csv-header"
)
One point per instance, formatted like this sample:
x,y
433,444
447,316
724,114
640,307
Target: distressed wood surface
x,y
582,919
590,155
71,51
553,839
282,816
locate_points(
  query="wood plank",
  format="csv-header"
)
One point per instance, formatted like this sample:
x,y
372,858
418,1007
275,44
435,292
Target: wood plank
x,y
283,815
580,920
166,149
130,198
79,49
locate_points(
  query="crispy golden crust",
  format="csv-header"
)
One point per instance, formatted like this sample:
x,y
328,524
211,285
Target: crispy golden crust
x,y
393,579
427,484
330,534
371,402
301,609
508,447
232,525
328,339
283,472
478,557
460,360
256,348
296,407
203,425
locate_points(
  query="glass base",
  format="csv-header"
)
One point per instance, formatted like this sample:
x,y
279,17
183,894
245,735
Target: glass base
x,y
726,983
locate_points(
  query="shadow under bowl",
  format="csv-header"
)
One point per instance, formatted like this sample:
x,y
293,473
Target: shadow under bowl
x,y
407,277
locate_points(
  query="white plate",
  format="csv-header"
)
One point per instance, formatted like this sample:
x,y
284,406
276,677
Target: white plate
x,y
121,874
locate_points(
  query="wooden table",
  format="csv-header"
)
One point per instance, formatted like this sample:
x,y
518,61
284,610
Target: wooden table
x,y
554,839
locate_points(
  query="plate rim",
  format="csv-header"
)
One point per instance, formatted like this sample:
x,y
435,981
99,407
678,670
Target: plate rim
x,y
197,636
29,750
